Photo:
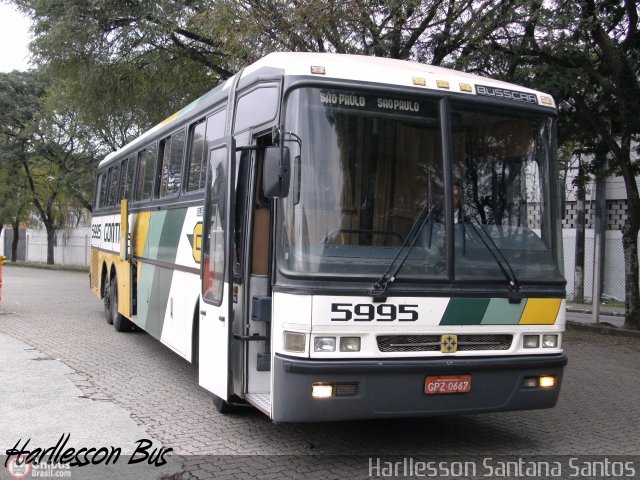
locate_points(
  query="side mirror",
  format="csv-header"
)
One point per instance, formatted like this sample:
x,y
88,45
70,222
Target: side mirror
x,y
277,172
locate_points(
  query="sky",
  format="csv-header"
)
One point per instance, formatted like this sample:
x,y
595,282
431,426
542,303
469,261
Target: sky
x,y
14,39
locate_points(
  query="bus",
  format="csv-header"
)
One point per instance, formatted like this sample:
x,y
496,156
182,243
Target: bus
x,y
333,237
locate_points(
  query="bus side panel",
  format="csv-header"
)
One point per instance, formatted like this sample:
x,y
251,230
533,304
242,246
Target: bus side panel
x,y
166,245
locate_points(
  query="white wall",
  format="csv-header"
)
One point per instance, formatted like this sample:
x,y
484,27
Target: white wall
x,y
72,247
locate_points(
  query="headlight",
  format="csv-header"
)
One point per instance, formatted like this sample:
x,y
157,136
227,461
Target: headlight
x,y
321,390
324,344
550,341
350,344
295,342
531,341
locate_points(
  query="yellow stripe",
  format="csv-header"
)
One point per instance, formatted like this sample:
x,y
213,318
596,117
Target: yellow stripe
x,y
541,311
140,233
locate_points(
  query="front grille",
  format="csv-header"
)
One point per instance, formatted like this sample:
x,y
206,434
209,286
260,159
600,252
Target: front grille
x,y
431,343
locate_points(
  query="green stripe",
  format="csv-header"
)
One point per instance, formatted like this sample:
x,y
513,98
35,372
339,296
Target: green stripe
x,y
170,237
465,311
501,312
155,233
145,297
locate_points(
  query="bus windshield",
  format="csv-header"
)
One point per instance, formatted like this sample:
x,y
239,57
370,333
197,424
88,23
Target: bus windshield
x,y
367,180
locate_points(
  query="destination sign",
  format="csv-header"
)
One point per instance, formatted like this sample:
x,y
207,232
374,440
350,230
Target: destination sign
x,y
504,94
373,102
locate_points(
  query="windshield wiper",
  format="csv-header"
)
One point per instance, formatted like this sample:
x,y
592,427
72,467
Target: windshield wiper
x,y
388,277
513,285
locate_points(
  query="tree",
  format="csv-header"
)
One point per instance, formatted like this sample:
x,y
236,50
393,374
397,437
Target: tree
x,y
587,53
15,205
49,147
124,66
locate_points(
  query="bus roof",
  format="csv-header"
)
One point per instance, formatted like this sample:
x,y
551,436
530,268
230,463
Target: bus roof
x,y
364,69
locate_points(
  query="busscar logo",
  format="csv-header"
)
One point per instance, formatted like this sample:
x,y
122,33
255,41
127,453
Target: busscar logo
x,y
505,94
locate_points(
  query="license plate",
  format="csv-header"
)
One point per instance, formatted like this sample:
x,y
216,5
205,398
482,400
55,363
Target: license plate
x,y
447,384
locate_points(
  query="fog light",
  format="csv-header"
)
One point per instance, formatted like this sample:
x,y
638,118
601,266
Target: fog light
x,y
320,390
531,341
547,381
295,342
550,341
530,382
324,344
350,344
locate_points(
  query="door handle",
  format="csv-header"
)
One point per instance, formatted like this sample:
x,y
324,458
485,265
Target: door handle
x,y
203,313
221,318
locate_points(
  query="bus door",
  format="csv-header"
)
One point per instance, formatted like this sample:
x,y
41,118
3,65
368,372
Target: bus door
x,y
258,258
216,297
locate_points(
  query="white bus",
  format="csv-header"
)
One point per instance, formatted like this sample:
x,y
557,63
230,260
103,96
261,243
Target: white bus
x,y
336,237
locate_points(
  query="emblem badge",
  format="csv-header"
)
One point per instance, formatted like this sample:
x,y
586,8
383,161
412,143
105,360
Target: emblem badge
x,y
449,343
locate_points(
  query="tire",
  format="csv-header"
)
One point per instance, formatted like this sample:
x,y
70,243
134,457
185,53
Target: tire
x,y
120,322
106,298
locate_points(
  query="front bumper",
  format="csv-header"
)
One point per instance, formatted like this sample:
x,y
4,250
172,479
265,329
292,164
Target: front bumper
x,y
395,388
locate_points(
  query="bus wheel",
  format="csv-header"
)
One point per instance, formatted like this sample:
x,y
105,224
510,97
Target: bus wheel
x,y
120,322
106,298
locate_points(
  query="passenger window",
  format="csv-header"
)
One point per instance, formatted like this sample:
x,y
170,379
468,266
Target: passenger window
x,y
171,173
256,107
101,191
197,157
126,181
144,181
113,185
215,125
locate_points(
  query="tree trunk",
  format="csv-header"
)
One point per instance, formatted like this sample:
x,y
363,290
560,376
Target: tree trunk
x,y
51,235
14,241
632,297
578,282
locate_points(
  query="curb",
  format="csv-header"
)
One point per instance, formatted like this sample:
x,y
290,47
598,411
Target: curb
x,y
602,312
604,329
45,266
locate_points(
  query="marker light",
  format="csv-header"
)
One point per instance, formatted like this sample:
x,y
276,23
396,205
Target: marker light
x,y
318,70
531,341
319,390
547,381
324,344
295,342
550,341
530,382
350,344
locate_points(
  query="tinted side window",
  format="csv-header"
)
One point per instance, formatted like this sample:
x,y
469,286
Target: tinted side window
x,y
197,157
171,173
126,181
102,199
256,107
113,185
215,125
144,180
